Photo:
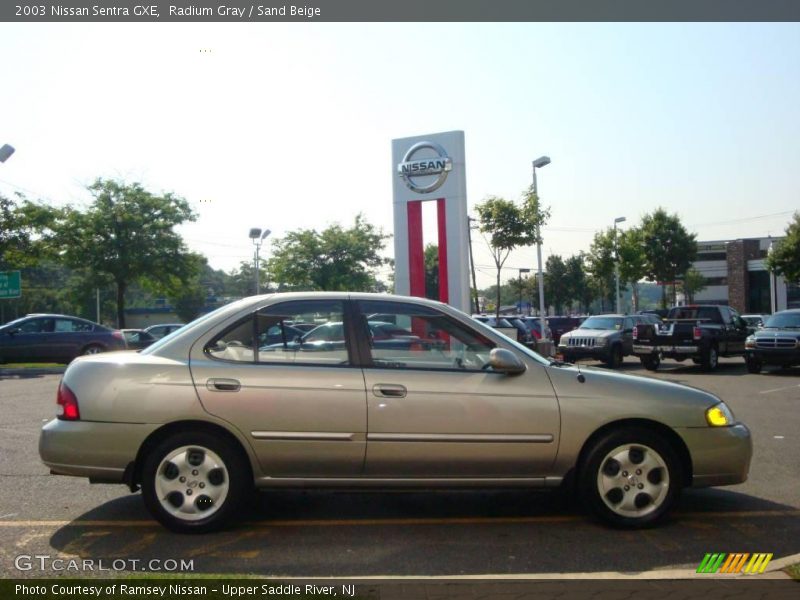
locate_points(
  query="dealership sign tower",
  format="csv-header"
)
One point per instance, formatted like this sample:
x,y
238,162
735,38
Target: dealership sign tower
x,y
431,168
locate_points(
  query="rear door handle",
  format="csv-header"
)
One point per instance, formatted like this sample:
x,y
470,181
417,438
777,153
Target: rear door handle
x,y
389,390
223,385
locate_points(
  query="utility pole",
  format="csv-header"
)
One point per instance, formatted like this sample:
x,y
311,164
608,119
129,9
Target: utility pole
x,y
472,264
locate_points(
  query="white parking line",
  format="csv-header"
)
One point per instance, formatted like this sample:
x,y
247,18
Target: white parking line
x,y
783,389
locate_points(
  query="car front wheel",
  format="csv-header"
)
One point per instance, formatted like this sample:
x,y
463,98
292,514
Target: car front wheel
x,y
194,482
753,365
630,478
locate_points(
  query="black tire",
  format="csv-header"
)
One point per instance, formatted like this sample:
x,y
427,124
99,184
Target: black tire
x,y
652,362
615,358
710,358
652,489
753,365
184,513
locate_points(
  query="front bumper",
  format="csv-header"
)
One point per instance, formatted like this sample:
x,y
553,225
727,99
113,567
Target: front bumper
x,y
775,356
99,451
578,352
720,455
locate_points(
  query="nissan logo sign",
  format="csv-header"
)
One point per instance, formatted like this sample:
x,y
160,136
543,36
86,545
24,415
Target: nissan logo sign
x,y
425,175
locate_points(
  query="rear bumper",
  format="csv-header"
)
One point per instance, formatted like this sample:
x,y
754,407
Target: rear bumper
x,y
640,350
99,451
720,455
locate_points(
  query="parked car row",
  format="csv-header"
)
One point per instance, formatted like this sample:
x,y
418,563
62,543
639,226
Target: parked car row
x,y
62,338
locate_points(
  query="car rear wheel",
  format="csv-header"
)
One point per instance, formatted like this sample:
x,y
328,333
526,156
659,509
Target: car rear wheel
x,y
652,362
194,482
710,359
630,478
92,349
753,365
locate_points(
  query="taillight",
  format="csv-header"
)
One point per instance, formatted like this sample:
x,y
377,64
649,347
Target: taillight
x,y
116,333
536,334
696,333
636,332
67,404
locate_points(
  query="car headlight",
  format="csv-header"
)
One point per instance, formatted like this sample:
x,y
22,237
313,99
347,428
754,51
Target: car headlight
x,y
750,342
601,341
720,415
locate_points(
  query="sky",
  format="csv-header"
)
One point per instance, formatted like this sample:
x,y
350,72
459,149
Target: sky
x,y
289,125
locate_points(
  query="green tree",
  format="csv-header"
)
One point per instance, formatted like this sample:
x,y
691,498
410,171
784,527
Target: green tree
x,y
25,231
785,257
432,271
668,247
693,282
632,261
556,282
600,263
577,282
127,235
333,259
509,226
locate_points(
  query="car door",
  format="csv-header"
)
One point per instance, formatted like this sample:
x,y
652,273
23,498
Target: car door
x,y
29,342
67,338
737,332
302,406
436,411
628,324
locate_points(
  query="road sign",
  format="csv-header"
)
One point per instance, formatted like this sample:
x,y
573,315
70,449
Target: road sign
x,y
10,284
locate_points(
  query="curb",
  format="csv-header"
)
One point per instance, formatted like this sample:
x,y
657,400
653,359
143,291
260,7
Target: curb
x,y
31,371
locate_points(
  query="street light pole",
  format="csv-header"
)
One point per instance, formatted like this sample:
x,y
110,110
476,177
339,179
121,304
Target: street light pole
x,y
258,237
472,264
540,162
521,271
616,259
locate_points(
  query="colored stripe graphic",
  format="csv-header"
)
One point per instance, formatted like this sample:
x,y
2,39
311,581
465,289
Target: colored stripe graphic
x,y
719,562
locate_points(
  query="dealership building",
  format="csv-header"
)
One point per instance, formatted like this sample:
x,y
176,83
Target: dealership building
x,y
735,274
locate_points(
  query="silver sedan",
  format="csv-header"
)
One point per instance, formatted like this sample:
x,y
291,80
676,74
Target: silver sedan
x,y
202,417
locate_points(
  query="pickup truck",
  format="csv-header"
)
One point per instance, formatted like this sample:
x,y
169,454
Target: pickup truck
x,y
700,332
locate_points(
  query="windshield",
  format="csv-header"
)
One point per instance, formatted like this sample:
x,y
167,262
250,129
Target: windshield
x,y
610,323
786,320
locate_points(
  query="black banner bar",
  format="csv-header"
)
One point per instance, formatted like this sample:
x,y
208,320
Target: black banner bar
x,y
398,10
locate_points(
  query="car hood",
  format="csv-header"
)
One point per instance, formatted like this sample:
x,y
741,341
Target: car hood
x,y
621,396
595,333
773,332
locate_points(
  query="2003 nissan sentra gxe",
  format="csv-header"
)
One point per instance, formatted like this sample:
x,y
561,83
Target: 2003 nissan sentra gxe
x,y
436,399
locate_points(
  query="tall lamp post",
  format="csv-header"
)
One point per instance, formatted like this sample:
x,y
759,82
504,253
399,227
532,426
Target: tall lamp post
x,y
540,162
521,271
616,258
258,238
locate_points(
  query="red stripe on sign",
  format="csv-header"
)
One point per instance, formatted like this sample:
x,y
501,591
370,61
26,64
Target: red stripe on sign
x,y
416,253
444,288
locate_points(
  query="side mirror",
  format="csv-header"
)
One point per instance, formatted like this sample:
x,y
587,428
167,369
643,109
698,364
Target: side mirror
x,y
505,361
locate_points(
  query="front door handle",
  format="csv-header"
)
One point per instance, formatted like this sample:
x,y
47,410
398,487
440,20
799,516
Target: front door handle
x,y
389,390
216,384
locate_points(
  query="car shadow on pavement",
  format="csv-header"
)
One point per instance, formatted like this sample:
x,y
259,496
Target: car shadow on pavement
x,y
688,367
326,533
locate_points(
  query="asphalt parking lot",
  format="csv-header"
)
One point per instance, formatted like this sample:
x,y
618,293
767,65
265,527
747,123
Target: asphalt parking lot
x,y
322,534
